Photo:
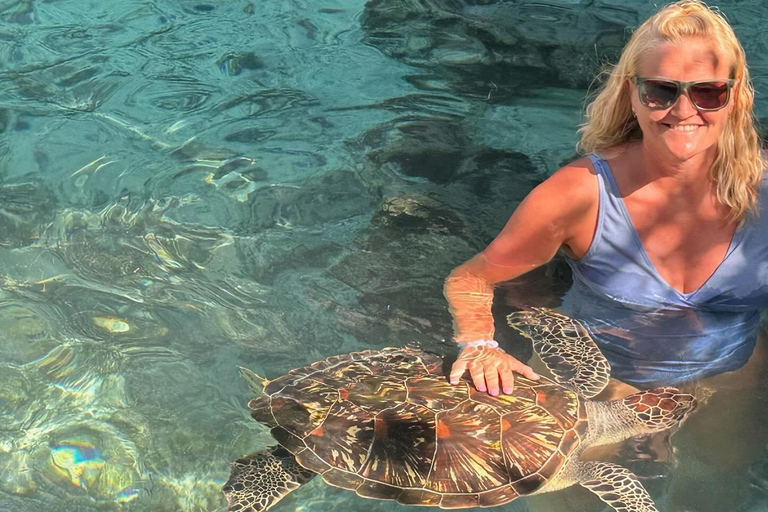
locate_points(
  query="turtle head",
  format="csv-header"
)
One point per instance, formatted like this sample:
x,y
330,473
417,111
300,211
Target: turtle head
x,y
660,408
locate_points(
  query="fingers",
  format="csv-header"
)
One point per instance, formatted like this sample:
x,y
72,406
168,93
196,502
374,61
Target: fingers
x,y
507,380
491,370
525,370
457,370
478,377
492,381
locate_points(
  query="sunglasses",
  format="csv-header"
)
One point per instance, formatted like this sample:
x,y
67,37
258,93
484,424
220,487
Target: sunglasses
x,y
661,93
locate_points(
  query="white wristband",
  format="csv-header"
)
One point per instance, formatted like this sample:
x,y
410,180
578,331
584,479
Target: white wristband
x,y
480,343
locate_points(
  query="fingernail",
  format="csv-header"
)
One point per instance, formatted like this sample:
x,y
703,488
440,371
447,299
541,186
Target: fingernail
x,y
454,381
535,376
493,392
481,388
507,391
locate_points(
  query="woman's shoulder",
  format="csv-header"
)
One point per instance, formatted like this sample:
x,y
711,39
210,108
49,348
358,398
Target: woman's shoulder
x,y
580,165
576,177
570,192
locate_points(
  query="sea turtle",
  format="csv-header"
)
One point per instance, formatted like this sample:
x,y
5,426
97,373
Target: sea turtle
x,y
387,425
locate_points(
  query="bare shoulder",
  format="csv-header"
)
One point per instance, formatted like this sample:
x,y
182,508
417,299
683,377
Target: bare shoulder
x,y
576,182
561,211
571,198
579,173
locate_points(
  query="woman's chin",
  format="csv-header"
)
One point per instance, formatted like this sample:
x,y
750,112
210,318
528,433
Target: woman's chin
x,y
682,152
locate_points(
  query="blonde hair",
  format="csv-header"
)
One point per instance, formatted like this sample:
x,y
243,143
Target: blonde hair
x,y
609,124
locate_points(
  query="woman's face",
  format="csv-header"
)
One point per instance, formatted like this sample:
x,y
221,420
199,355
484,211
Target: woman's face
x,y
682,131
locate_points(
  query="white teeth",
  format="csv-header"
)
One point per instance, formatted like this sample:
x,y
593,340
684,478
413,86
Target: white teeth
x,y
685,127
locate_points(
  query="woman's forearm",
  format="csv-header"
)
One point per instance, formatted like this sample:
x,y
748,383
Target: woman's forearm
x,y
470,298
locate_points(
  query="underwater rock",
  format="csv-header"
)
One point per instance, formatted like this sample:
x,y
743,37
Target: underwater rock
x,y
16,475
82,85
438,150
24,334
5,119
14,395
198,489
22,12
398,267
54,440
400,262
121,245
250,135
329,197
111,325
98,461
266,254
435,157
203,8
515,45
417,214
25,208
265,330
235,63
425,148
93,251
192,415
74,309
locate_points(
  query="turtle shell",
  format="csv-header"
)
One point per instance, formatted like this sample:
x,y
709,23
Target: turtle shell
x,y
387,425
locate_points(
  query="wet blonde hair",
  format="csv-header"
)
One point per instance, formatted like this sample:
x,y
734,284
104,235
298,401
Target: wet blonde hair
x,y
609,124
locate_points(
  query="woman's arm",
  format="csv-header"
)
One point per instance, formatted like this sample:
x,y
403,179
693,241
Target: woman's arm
x,y
560,212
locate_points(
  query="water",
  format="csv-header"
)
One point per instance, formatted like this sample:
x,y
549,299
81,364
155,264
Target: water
x,y
186,187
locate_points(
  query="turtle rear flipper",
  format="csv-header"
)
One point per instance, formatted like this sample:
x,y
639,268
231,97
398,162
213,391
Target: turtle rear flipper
x,y
615,485
261,479
566,348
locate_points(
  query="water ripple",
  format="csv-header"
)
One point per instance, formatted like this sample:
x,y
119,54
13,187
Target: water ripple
x,y
187,186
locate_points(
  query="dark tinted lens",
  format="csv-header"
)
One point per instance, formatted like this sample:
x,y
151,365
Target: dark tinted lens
x,y
710,95
658,94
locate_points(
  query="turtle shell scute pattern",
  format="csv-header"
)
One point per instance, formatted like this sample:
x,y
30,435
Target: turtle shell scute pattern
x,y
387,425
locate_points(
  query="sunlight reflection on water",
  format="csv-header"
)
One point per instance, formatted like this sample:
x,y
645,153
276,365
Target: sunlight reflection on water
x,y
189,187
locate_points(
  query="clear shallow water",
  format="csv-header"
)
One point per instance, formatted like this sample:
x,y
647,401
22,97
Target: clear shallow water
x,y
186,187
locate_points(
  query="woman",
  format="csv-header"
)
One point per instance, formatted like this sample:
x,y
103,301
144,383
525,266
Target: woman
x,y
672,199
666,230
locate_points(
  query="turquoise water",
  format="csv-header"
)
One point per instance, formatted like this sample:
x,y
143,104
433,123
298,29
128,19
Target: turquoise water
x,y
186,187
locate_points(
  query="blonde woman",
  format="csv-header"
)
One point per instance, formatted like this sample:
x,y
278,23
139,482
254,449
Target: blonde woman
x,y
665,223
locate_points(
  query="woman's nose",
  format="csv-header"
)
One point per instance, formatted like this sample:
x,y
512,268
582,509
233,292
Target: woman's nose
x,y
683,107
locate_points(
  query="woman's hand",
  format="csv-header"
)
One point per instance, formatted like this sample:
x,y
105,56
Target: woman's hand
x,y
488,367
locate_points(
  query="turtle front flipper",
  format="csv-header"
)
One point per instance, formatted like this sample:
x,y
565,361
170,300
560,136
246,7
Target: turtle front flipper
x,y
566,348
615,485
261,479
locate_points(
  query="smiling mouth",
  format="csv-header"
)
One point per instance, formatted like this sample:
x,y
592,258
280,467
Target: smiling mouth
x,y
683,128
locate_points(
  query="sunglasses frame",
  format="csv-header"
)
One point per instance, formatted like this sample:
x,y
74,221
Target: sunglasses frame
x,y
685,88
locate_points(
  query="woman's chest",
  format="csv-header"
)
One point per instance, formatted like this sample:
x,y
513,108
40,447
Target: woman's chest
x,y
685,247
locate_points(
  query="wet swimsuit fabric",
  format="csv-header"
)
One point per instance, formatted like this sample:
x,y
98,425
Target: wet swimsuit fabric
x,y
651,333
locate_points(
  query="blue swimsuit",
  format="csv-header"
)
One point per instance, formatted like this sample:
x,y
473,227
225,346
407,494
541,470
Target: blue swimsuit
x,y
651,333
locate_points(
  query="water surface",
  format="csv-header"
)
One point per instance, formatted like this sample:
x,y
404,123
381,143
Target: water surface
x,y
186,187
